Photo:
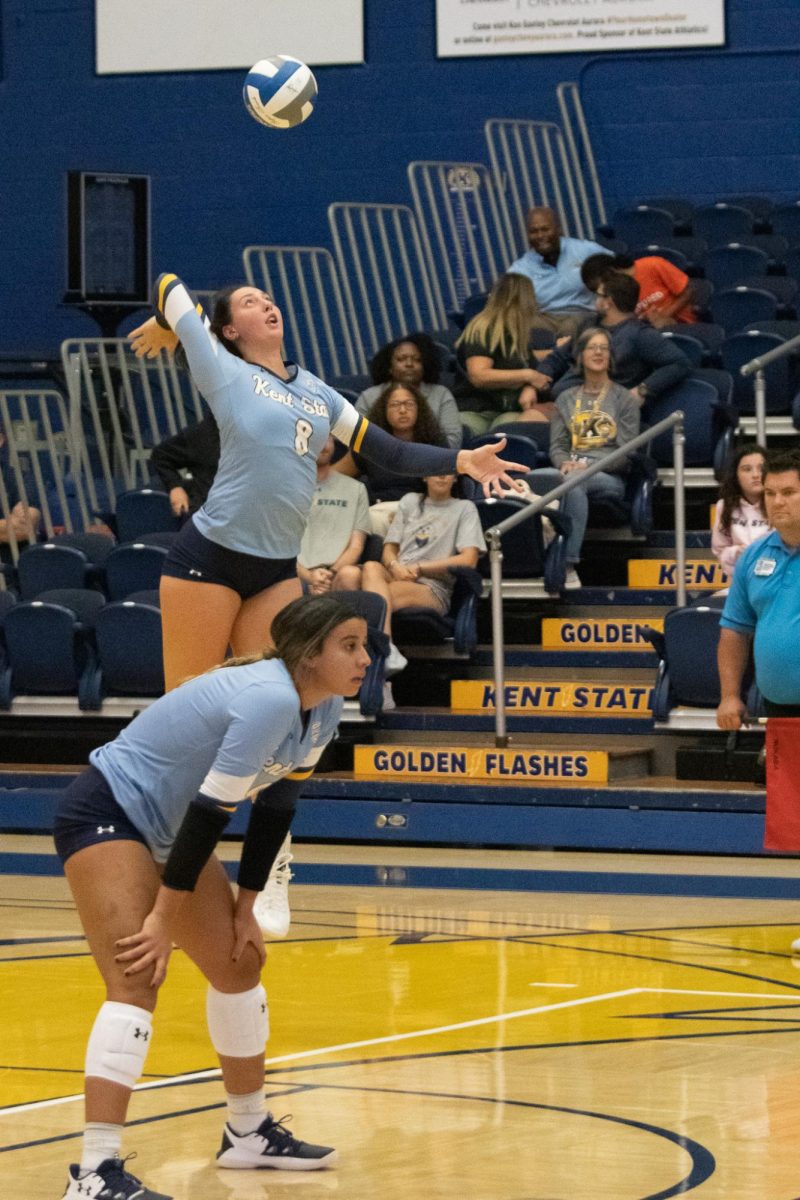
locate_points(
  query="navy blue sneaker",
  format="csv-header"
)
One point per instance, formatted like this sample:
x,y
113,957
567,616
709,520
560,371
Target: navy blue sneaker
x,y
109,1181
271,1145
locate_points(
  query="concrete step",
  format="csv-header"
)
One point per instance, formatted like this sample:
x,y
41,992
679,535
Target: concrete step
x,y
600,694
702,573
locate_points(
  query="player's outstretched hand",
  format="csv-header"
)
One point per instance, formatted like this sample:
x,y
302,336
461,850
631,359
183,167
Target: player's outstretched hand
x,y
150,947
488,468
148,340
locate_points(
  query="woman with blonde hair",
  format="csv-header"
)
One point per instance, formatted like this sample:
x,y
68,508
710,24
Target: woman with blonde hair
x,y
500,378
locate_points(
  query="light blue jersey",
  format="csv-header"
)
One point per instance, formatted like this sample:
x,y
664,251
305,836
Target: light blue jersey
x,y
271,433
559,286
227,733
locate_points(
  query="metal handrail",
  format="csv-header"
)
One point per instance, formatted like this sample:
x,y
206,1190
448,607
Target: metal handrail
x,y
756,367
494,537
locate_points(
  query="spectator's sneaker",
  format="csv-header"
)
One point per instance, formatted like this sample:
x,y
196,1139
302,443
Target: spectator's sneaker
x,y
572,581
109,1181
388,699
395,661
271,908
271,1145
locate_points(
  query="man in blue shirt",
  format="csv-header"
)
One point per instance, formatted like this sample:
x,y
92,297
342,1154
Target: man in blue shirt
x,y
553,265
763,605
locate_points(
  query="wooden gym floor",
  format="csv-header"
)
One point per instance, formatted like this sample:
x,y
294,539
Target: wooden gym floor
x,y
461,1025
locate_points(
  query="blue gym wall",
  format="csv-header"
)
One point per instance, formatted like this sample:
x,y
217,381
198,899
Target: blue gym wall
x,y
702,124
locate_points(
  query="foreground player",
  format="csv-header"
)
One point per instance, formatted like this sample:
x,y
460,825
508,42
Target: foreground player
x,y
233,565
137,832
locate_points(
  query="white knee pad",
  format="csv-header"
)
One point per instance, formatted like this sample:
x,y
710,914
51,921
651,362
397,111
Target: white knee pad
x,y
238,1022
119,1042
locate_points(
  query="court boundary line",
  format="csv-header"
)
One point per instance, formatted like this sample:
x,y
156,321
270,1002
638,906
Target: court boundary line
x,y
211,1073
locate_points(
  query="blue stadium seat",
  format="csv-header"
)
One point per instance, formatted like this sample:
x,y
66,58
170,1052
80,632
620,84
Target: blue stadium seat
x,y
531,447
692,347
144,511
687,672
707,422
736,307
133,568
525,554
48,652
728,265
372,608
636,507
703,290
129,650
722,222
671,253
47,565
681,210
419,626
642,224
780,376
785,220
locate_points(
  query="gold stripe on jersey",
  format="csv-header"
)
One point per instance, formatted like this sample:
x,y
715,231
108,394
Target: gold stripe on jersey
x,y
361,430
164,285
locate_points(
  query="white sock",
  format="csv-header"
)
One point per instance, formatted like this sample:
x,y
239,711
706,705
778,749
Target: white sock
x,y
245,1113
100,1141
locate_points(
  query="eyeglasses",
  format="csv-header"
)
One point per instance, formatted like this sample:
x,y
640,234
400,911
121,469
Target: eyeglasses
x,y
401,404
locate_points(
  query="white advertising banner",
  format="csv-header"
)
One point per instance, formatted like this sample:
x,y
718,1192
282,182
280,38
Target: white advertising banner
x,y
469,28
209,35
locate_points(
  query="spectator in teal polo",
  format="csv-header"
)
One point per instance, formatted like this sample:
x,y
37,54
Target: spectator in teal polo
x,y
763,604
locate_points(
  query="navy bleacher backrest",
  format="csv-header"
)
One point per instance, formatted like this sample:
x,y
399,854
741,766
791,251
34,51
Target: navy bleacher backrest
x,y
722,222
741,348
129,649
643,224
46,651
144,511
133,568
48,565
698,401
786,221
734,308
728,265
372,608
83,602
523,546
692,347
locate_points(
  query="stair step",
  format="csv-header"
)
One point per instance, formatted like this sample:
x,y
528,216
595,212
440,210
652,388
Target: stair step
x,y
580,633
701,574
601,697
470,764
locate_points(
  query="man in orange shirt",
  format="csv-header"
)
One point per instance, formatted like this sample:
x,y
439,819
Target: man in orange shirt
x,y
665,292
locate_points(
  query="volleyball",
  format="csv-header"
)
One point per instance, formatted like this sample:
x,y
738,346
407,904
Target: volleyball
x,y
280,91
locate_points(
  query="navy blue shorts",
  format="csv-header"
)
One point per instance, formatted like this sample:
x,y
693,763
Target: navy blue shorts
x,y
199,560
88,814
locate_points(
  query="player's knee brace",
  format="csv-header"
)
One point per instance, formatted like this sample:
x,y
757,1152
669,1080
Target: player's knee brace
x,y
119,1042
238,1022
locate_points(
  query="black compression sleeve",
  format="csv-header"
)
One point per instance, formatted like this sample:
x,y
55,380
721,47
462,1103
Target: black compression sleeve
x,y
197,837
270,819
406,458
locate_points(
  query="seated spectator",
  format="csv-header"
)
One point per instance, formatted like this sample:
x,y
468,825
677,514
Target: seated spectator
x,y
740,515
403,411
336,530
494,350
23,520
590,421
553,265
187,463
666,295
414,359
644,361
429,535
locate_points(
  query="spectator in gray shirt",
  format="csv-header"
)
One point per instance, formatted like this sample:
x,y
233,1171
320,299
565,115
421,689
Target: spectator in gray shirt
x,y
414,359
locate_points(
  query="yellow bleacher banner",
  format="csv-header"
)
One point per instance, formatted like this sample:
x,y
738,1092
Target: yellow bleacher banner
x,y
605,633
658,573
554,698
468,764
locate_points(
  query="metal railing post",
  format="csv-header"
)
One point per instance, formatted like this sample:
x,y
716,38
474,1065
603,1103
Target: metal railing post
x,y
493,538
678,442
760,390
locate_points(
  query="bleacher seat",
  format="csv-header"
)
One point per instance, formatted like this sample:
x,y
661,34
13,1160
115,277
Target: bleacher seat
x,y
525,554
48,651
739,349
133,568
736,307
692,347
636,506
372,608
722,222
419,626
642,224
774,245
47,565
144,511
785,220
687,673
703,290
680,209
672,254
728,265
129,650
531,447
708,423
